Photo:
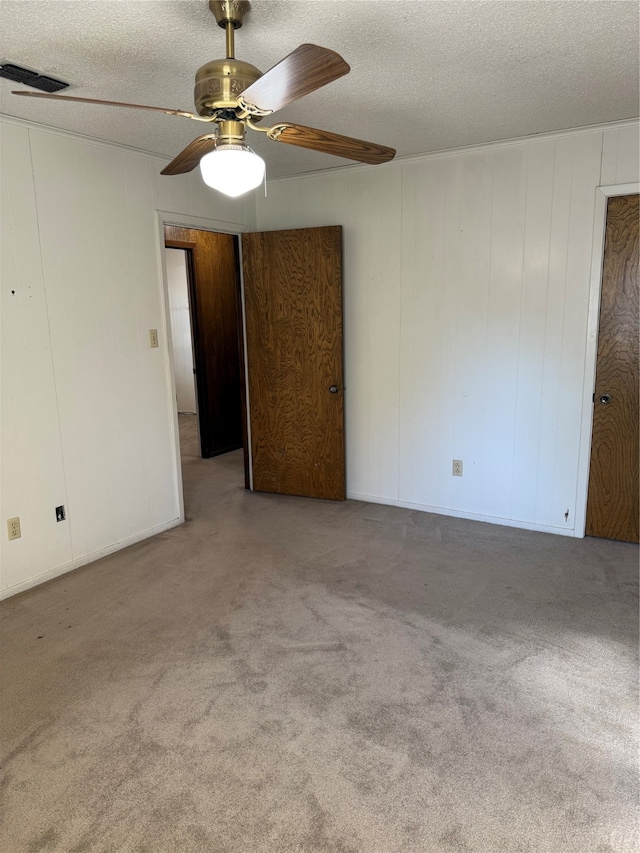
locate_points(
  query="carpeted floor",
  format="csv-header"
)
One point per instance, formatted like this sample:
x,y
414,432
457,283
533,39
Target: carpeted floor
x,y
282,674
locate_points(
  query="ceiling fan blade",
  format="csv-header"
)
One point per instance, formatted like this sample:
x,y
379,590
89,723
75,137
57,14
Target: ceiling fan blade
x,y
303,71
104,103
189,158
332,143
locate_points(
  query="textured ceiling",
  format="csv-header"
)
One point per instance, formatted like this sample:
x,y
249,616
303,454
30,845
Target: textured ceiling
x,y
426,75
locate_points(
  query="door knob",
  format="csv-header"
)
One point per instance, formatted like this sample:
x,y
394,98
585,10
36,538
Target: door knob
x,y
605,399
333,389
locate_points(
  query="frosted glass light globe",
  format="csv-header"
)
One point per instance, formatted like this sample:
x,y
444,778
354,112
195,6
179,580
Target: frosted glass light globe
x,y
232,169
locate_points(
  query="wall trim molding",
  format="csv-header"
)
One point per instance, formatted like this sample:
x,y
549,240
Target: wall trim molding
x,y
603,194
410,158
70,134
446,152
201,223
87,558
469,516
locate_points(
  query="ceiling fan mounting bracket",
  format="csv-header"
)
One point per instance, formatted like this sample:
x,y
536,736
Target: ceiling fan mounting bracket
x,y
229,12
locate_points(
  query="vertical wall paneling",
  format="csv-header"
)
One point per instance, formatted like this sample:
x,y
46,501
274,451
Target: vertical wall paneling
x,y
532,323
488,331
555,325
448,494
88,416
32,464
509,171
93,333
472,305
422,338
585,174
620,156
323,209
628,166
373,283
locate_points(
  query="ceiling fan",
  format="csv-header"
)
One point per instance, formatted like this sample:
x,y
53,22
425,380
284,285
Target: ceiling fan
x,y
233,95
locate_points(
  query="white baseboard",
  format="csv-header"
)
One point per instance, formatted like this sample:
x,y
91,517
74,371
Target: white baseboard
x,y
87,558
455,513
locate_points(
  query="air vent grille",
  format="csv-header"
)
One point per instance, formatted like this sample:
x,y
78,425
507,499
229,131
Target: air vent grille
x,y
31,78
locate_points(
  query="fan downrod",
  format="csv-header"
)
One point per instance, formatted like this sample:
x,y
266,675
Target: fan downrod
x,y
218,83
230,16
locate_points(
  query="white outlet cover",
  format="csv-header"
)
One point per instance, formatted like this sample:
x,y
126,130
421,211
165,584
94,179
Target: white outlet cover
x,y
13,528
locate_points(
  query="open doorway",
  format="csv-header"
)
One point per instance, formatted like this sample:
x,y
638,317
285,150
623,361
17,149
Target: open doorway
x,y
203,284
287,323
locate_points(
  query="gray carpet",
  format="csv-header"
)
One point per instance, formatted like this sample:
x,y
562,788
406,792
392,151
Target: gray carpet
x,y
282,674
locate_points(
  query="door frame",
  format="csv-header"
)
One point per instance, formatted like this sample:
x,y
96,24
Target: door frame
x,y
165,217
603,194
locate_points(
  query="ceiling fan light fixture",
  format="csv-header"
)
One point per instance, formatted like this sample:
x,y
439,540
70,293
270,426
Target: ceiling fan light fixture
x,y
232,169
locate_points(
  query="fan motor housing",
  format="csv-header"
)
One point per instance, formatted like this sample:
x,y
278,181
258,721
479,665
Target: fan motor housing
x,y
218,84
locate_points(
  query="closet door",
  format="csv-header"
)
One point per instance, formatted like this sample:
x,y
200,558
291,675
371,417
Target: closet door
x,y
612,505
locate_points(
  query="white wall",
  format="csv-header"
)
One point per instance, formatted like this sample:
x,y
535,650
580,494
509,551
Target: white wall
x,y
180,317
87,406
466,300
466,285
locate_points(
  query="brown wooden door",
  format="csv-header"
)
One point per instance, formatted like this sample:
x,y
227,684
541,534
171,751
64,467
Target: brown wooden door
x,y
293,312
612,505
214,294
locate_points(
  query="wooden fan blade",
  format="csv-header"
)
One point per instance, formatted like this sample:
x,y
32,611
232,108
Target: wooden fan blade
x,y
104,103
303,71
189,158
333,143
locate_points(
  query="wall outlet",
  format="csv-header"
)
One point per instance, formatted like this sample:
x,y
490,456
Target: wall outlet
x,y
13,526
153,337
60,513
456,468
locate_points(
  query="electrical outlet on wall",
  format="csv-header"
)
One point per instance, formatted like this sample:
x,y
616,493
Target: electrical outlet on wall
x,y
456,468
153,338
13,526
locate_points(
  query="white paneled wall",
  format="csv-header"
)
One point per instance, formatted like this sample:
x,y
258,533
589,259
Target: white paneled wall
x,y
87,408
32,462
466,299
181,344
620,156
